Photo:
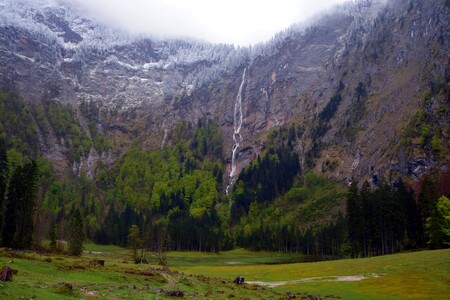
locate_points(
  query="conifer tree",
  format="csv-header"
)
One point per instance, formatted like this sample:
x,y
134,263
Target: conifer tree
x,y
3,179
134,240
23,237
18,226
365,225
10,215
76,234
52,236
428,196
354,214
412,220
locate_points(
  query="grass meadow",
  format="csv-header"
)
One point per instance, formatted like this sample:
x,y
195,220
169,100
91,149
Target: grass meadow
x,y
415,275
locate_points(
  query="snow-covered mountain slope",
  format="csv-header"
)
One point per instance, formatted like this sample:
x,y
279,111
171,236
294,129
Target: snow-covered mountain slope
x,y
375,57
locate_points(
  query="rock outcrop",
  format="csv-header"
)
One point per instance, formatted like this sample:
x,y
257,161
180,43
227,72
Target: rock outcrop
x,y
373,59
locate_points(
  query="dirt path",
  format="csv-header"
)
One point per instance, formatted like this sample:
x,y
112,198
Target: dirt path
x,y
170,281
312,279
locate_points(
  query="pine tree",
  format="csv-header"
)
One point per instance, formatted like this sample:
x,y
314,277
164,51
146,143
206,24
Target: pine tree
x,y
366,219
25,224
11,215
52,236
412,222
76,234
4,170
354,218
428,196
134,240
18,226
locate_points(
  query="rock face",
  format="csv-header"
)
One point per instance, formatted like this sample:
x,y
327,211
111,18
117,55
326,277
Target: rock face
x,y
376,56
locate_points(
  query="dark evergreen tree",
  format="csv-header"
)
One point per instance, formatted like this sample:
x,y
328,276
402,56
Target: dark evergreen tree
x,y
411,224
4,171
428,197
25,224
52,235
11,214
18,225
354,218
366,224
76,234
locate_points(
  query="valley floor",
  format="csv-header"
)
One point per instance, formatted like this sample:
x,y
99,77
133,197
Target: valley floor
x,y
416,275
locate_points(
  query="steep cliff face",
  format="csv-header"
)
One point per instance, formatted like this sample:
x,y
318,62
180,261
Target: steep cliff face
x,y
351,80
130,86
386,68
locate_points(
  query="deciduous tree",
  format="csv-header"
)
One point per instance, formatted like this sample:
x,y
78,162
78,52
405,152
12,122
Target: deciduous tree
x,y
438,224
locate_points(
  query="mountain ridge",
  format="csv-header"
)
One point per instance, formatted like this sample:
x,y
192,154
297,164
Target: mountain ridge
x,y
139,89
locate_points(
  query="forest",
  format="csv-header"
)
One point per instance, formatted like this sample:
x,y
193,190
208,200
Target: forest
x,y
173,198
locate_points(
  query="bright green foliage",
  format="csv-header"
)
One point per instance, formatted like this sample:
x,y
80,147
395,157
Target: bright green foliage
x,y
426,130
179,186
306,219
207,141
91,112
424,135
436,146
66,126
76,235
62,198
136,177
438,224
20,122
174,195
17,125
134,240
100,142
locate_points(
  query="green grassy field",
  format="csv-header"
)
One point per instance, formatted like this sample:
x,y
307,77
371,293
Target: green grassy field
x,y
417,275
181,260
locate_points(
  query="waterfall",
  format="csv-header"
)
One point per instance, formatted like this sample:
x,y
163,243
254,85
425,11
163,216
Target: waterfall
x,y
164,138
237,138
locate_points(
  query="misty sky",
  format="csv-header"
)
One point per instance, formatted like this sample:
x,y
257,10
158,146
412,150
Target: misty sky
x,y
241,22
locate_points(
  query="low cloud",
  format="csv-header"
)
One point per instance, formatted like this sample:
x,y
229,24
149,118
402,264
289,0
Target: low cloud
x,y
241,22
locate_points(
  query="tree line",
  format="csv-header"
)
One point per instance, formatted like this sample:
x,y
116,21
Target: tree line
x,y
173,198
19,185
389,219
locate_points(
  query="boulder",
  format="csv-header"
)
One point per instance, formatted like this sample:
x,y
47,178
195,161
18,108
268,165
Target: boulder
x,y
6,273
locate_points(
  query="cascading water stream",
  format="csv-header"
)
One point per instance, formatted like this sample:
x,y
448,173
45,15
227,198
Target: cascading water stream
x,y
237,138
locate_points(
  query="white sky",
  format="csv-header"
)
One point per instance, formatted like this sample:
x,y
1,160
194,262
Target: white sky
x,y
241,22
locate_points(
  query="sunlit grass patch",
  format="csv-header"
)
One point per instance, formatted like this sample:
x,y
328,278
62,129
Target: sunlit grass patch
x,y
416,275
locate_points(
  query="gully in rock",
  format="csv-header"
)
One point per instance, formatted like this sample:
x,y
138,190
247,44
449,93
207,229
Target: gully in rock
x,y
237,138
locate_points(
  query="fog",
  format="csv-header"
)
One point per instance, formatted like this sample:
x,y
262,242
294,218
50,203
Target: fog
x,y
239,22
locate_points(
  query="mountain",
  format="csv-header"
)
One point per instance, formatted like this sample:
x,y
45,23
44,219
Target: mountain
x,y
365,85
207,147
